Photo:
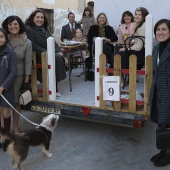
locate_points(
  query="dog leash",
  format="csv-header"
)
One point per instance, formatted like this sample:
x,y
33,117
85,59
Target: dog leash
x,y
18,112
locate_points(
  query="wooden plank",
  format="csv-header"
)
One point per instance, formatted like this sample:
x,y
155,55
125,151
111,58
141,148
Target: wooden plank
x,y
40,99
34,78
117,72
44,75
140,112
120,43
148,84
102,72
132,83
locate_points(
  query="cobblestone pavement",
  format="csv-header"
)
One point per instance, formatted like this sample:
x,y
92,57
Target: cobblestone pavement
x,y
81,145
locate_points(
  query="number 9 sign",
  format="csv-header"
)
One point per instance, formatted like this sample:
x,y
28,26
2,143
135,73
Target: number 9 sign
x,y
111,91
111,88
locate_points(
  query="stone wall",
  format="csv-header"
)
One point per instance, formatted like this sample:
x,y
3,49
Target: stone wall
x,y
61,8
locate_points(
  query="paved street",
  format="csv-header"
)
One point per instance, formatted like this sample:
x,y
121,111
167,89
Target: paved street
x,y
81,145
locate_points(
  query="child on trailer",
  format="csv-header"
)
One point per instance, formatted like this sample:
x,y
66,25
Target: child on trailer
x,y
8,73
87,20
80,38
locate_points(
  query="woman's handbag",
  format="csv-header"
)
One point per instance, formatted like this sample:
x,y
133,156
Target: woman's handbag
x,y
162,138
25,97
90,75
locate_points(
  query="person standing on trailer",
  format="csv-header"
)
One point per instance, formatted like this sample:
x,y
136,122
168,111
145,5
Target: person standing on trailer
x,y
87,20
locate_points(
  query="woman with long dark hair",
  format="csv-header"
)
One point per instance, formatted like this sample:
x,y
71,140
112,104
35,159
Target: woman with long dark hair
x,y
38,32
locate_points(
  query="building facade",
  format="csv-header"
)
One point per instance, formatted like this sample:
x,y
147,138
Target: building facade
x,y
56,11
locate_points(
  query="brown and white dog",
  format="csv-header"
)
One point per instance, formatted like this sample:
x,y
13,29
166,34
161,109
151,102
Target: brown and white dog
x,y
39,136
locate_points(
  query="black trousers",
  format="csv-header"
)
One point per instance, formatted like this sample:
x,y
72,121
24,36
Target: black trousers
x,y
59,67
125,58
107,50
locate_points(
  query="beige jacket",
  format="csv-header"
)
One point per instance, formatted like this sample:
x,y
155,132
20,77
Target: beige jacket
x,y
138,44
83,40
86,23
23,50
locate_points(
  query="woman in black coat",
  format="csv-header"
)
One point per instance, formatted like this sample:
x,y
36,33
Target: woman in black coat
x,y
160,90
102,29
37,32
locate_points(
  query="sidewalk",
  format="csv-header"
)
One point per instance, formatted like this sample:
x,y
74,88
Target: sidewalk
x,y
81,145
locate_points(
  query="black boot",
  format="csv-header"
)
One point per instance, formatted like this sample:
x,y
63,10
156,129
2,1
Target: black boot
x,y
158,156
165,160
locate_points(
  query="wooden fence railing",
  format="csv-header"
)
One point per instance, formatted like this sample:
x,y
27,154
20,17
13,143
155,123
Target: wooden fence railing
x,y
43,93
128,105
124,105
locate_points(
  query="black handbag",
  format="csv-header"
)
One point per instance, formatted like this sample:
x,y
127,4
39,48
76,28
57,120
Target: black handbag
x,y
90,75
163,136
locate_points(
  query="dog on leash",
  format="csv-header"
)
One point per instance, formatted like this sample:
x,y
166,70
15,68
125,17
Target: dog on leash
x,y
39,136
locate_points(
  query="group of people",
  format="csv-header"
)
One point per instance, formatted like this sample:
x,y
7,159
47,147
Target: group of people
x,y
18,40
100,28
160,90
130,25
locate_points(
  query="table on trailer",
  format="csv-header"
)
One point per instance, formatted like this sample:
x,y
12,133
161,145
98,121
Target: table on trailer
x,y
70,50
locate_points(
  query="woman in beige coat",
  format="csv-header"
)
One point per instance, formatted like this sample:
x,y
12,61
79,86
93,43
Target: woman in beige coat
x,y
22,46
87,20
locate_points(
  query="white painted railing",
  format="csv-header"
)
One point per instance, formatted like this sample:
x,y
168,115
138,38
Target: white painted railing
x,y
51,71
98,52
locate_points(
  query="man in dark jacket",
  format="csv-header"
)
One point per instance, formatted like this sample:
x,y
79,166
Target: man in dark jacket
x,y
68,30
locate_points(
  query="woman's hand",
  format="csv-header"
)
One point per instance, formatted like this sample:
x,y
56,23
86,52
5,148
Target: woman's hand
x,y
107,40
66,61
1,89
27,77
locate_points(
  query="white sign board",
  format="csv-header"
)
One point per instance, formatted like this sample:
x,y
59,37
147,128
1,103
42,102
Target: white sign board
x,y
115,8
111,88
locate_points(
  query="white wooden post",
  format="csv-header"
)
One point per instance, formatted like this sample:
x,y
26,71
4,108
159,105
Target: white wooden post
x,y
148,35
51,71
148,46
98,51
